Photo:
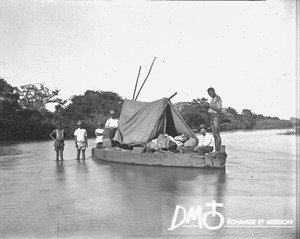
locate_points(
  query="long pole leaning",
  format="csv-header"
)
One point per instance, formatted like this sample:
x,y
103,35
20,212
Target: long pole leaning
x,y
186,108
137,79
196,130
172,96
145,79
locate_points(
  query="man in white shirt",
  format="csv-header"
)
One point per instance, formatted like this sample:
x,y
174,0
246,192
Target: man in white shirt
x,y
112,125
206,142
81,142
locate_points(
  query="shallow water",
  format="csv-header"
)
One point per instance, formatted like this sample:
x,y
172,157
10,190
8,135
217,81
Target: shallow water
x,y
42,198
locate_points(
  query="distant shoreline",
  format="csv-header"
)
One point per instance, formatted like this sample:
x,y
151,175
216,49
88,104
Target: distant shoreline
x,y
273,124
92,138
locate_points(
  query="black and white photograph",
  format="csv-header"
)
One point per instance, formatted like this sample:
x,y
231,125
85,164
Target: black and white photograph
x,y
149,119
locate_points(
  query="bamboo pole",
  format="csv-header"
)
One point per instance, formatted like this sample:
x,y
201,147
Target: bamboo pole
x,y
165,122
145,79
220,125
186,108
172,96
137,79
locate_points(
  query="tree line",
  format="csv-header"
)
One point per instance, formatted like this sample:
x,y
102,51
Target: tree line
x,y
230,118
23,113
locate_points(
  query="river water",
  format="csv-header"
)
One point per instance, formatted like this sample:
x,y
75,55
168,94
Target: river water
x,y
42,198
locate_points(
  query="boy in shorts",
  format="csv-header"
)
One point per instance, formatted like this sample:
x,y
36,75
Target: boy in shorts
x,y
58,141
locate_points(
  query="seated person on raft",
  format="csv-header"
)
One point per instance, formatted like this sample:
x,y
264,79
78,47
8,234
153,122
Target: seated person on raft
x,y
206,142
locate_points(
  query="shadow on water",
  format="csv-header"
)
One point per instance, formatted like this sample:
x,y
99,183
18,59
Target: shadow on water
x,y
144,189
169,180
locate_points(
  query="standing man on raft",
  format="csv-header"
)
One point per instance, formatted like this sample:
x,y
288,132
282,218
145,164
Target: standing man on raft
x,y
112,125
214,112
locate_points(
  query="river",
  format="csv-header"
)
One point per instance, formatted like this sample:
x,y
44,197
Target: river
x,y
42,198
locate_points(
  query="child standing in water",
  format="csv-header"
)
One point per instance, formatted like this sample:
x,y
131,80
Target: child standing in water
x,y
99,135
58,141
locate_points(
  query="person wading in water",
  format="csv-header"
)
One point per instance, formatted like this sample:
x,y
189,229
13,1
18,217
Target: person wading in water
x,y
58,141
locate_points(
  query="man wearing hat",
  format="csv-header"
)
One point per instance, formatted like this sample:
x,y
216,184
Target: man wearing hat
x,y
206,141
112,125
81,141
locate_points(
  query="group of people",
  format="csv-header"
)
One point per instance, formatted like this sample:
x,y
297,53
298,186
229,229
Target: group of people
x,y
205,145
81,138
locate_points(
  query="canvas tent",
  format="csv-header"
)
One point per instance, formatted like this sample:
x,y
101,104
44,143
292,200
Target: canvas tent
x,y
141,122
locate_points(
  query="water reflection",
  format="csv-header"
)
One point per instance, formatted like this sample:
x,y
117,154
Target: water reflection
x,y
82,166
60,171
10,148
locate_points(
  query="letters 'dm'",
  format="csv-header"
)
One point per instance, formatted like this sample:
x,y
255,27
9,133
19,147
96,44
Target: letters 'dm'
x,y
196,213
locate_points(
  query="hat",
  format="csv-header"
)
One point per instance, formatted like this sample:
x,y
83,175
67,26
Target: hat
x,y
79,122
112,112
202,126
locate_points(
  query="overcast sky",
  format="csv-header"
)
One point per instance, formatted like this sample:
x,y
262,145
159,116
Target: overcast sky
x,y
244,49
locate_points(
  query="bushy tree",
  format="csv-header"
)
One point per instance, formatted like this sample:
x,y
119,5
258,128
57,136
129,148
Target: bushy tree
x,y
8,108
232,111
36,96
92,107
194,113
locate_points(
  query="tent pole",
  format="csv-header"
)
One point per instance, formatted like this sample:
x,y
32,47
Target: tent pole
x,y
165,120
165,123
145,79
172,96
136,82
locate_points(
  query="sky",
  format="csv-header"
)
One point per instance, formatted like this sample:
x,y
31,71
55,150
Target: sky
x,y
246,50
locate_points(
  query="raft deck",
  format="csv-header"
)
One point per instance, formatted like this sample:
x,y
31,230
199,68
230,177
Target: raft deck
x,y
160,158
